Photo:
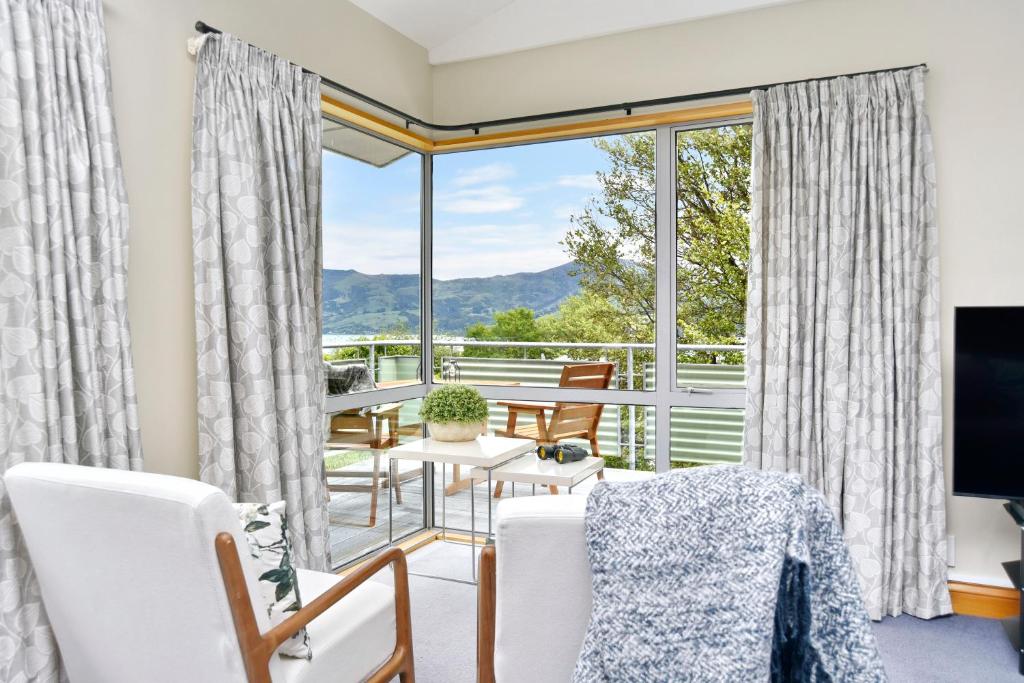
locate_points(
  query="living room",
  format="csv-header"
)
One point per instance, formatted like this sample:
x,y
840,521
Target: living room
x,y
437,286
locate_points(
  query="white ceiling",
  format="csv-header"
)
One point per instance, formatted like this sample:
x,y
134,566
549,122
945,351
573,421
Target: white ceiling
x,y
456,30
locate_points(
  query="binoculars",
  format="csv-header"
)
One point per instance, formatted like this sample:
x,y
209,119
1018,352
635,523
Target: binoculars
x,y
562,453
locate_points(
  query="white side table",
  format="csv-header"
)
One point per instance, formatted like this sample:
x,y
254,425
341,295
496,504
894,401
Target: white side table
x,y
484,454
529,469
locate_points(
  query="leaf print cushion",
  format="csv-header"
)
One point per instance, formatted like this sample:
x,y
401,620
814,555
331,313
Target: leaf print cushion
x,y
266,532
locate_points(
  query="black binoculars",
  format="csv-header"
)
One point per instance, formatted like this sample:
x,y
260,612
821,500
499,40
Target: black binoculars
x,y
562,453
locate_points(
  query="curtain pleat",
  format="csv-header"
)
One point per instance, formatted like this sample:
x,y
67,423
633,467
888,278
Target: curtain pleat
x,y
257,239
844,383
67,389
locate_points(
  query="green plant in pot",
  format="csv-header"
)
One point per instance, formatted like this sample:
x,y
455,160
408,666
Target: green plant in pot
x,y
455,413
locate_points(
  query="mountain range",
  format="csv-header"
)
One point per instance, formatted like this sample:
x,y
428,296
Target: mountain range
x,y
361,304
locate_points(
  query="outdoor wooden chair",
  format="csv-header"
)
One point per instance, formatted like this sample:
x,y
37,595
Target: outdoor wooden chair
x,y
365,430
568,420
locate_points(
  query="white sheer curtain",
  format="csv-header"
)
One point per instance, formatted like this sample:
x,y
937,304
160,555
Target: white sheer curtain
x,y
67,392
844,382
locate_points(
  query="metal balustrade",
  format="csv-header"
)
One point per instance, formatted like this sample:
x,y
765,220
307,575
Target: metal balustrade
x,y
702,435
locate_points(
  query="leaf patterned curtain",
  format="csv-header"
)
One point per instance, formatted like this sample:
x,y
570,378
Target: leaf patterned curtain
x,y
257,238
67,390
844,383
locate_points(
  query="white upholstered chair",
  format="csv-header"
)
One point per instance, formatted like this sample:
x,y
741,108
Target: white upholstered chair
x,y
142,580
535,591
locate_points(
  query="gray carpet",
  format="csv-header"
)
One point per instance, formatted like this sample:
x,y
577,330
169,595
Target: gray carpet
x,y
947,650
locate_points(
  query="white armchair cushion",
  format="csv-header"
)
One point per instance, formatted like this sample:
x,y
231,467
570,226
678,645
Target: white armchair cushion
x,y
266,531
354,636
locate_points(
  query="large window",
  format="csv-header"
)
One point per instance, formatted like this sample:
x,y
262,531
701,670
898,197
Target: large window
x,y
619,257
712,235
372,214
372,203
544,255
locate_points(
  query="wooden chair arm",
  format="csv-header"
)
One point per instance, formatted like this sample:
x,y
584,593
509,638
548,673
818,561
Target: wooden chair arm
x,y
257,649
526,407
486,614
310,611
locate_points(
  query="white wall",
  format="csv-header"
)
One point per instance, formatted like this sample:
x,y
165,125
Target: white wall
x,y
975,52
152,79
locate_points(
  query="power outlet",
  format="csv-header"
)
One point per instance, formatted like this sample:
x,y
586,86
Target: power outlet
x,y
951,550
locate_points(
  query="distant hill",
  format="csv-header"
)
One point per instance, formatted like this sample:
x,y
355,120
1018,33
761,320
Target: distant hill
x,y
356,303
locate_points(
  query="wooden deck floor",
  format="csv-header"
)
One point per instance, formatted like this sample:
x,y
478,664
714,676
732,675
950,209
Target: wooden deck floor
x,y
351,535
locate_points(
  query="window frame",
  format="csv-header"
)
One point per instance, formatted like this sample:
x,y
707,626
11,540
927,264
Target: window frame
x,y
665,396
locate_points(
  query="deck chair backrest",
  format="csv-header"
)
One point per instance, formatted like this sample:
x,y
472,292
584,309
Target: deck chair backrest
x,y
570,420
573,419
586,376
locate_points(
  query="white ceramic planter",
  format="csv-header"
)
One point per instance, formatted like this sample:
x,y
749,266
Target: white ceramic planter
x,y
456,431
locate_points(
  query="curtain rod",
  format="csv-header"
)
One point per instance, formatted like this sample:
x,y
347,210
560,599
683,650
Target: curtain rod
x,y
627,107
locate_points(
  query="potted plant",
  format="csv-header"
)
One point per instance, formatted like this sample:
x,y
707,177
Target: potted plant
x,y
455,413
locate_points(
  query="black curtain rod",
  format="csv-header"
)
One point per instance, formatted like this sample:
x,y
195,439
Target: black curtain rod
x,y
627,107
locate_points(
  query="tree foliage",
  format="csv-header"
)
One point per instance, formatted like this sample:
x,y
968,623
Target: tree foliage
x,y
613,238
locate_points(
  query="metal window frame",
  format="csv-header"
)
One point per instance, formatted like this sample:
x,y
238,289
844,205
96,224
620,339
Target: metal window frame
x,y
665,396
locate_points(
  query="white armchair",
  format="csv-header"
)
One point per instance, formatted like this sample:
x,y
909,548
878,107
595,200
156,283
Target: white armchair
x,y
142,580
535,591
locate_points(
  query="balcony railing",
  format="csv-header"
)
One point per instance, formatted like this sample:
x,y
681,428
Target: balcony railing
x,y
697,435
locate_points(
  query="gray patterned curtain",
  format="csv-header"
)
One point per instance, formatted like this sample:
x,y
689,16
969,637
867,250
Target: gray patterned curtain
x,y
256,240
843,379
67,391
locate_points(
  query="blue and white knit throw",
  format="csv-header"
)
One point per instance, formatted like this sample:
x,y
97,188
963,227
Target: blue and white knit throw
x,y
721,574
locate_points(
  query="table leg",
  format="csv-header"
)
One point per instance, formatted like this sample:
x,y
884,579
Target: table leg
x,y
391,515
444,508
472,530
458,483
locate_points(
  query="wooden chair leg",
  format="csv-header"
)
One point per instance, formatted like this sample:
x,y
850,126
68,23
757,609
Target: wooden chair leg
x,y
498,487
600,474
394,478
594,450
374,487
554,490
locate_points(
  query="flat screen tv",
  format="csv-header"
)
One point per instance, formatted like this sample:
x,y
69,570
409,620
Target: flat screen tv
x,y
988,403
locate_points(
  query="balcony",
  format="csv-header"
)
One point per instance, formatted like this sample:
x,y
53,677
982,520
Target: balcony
x,y
626,437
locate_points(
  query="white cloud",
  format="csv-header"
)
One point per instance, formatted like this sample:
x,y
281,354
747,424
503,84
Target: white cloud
x,y
490,199
489,173
371,249
485,250
585,181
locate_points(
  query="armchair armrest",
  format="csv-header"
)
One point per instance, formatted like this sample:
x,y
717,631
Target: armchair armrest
x,y
257,648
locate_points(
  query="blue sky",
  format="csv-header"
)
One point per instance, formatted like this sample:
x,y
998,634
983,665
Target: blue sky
x,y
496,211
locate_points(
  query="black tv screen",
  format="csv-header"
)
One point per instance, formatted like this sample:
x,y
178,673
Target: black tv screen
x,y
988,403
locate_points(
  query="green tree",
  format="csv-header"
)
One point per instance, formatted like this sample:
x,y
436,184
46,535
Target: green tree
x,y
517,324
613,239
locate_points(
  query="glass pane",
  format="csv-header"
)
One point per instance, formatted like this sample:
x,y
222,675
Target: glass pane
x,y
544,257
624,440
712,252
371,253
706,436
356,466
